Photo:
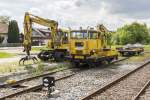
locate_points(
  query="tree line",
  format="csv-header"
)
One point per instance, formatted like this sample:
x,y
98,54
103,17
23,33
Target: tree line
x,y
128,34
131,34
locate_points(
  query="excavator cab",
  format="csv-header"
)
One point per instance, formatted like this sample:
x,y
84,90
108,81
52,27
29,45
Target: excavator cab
x,y
60,50
63,36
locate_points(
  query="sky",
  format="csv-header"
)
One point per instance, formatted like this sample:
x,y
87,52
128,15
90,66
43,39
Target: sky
x,y
75,13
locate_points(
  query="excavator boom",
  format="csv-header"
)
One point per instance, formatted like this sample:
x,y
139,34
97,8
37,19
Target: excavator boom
x,y
28,21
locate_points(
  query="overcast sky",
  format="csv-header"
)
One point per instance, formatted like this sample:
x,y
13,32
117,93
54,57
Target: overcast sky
x,y
76,13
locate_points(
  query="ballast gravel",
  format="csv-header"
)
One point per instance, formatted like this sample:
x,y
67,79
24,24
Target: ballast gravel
x,y
81,84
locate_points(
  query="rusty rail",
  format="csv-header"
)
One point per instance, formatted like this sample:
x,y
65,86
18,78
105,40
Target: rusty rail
x,y
108,85
141,91
30,78
34,88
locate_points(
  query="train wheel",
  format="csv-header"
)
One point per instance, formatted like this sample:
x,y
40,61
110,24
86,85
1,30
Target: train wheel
x,y
109,60
75,64
44,55
138,53
59,56
116,57
91,64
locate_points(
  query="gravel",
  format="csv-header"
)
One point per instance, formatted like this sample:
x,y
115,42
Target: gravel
x,y
127,88
82,83
34,82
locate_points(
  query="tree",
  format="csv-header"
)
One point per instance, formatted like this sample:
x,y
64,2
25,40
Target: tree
x,y
4,19
1,39
13,32
133,33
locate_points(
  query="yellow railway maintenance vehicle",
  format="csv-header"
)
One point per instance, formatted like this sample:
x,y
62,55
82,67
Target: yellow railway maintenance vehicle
x,y
89,46
57,44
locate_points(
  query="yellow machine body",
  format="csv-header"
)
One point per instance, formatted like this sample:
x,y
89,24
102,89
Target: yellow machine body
x,y
88,46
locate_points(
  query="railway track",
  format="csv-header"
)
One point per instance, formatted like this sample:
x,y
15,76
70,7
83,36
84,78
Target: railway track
x,y
32,83
32,88
108,91
141,92
36,87
30,78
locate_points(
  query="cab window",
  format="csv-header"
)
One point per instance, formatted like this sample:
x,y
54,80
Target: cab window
x,y
79,35
93,35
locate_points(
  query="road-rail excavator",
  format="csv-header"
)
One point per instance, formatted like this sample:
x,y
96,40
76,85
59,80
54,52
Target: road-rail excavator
x,y
57,46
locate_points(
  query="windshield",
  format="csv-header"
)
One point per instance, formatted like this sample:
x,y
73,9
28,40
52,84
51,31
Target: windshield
x,y
93,35
79,35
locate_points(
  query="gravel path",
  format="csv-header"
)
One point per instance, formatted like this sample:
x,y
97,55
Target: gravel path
x,y
146,95
127,88
81,84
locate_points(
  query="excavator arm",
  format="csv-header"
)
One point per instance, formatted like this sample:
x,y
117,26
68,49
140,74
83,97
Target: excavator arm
x,y
29,19
104,34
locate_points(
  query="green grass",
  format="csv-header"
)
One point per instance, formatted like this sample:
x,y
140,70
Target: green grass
x,y
13,66
39,68
10,67
147,47
139,58
37,49
6,55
